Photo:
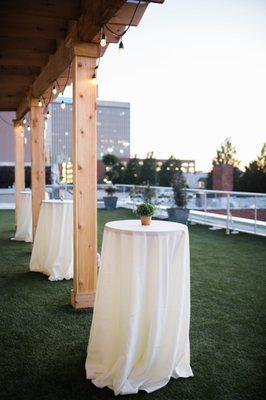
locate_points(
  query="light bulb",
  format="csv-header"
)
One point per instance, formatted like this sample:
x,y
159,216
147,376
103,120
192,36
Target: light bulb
x,y
103,40
25,140
63,106
94,79
28,128
121,47
39,103
48,115
24,121
54,90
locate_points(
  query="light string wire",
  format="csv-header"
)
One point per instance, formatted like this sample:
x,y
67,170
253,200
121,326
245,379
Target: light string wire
x,y
129,25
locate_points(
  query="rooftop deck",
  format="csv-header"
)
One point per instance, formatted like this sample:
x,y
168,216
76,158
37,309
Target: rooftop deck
x,y
43,339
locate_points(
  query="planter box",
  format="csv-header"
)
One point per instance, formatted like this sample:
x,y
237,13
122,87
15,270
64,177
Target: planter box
x,y
178,214
110,202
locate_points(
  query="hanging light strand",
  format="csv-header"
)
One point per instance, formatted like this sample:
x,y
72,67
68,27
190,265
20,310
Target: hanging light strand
x,y
121,45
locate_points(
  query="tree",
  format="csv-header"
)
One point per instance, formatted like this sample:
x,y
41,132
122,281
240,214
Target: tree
x,y
226,154
169,171
254,177
132,171
118,172
114,169
148,173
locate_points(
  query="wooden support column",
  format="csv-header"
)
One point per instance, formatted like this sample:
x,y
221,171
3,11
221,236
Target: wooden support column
x,y
19,164
85,181
37,161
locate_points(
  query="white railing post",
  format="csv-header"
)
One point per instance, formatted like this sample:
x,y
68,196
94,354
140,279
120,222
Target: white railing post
x,y
228,215
205,207
255,215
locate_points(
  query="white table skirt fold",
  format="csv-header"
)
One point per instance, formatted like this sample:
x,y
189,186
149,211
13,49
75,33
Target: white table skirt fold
x,y
139,337
52,252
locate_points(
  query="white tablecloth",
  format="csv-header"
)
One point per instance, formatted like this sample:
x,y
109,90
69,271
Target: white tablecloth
x,y
24,218
52,252
139,336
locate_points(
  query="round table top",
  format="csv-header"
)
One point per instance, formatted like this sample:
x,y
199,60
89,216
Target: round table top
x,y
57,201
134,226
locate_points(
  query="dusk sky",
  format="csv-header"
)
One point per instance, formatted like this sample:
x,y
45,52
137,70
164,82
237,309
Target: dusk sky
x,y
194,72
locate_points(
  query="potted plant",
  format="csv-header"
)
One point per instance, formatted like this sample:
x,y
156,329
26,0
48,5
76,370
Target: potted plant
x,y
179,213
145,211
110,200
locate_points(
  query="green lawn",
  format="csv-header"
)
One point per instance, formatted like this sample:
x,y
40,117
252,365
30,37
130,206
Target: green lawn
x,y
43,340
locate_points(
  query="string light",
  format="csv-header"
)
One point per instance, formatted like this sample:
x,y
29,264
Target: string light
x,y
121,47
25,140
63,105
103,39
94,79
48,115
39,103
28,128
24,121
54,90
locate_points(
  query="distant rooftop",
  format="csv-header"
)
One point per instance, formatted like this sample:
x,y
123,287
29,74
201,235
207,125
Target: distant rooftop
x,y
102,103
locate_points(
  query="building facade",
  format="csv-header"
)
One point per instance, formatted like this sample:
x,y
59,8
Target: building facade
x,y
113,126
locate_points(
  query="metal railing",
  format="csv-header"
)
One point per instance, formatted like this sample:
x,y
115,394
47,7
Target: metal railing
x,y
229,210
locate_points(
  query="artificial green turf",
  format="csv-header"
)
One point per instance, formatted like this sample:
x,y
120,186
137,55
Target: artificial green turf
x,y
43,340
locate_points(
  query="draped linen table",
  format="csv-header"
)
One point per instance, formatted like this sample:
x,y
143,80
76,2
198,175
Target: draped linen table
x,y
139,336
24,218
52,252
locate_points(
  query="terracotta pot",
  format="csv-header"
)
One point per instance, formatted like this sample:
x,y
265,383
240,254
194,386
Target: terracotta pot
x,y
145,220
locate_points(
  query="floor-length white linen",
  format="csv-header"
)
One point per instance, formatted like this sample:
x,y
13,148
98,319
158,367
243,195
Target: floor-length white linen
x,y
24,218
139,336
52,252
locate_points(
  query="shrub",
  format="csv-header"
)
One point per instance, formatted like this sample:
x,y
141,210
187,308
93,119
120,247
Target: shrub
x,y
110,190
145,210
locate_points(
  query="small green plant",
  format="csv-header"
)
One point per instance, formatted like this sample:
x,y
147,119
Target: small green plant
x,y
179,192
110,190
179,196
145,210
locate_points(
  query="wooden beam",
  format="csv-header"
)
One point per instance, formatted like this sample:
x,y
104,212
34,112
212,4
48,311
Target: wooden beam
x,y
125,13
21,57
19,164
36,45
57,64
37,161
15,81
94,14
85,183
29,26
20,70
68,9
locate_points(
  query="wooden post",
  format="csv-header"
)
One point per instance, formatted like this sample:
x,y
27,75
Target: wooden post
x,y
85,182
37,161
19,164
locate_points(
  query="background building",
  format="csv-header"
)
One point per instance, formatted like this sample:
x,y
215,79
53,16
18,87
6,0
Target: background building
x,y
113,126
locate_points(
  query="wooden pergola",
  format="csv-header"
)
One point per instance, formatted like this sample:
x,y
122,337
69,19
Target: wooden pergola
x,y
48,41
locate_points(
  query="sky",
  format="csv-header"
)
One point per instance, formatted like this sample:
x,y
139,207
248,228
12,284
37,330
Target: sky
x,y
194,72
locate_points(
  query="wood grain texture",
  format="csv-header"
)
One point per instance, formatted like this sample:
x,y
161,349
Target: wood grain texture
x,y
19,164
85,181
37,161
